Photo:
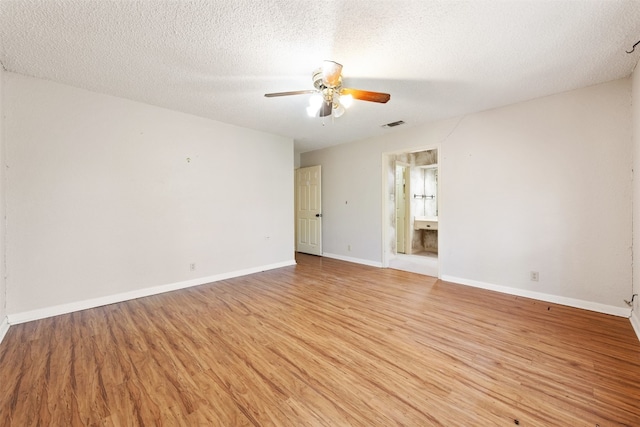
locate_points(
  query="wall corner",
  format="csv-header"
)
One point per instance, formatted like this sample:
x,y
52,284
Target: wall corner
x,y
4,327
635,322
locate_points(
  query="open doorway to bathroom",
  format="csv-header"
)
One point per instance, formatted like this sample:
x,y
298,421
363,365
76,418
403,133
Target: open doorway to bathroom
x,y
411,212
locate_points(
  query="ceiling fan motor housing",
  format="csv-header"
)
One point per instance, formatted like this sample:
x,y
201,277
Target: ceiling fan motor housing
x,y
318,81
328,92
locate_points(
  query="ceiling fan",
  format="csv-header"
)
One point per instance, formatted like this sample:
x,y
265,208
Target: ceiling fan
x,y
330,96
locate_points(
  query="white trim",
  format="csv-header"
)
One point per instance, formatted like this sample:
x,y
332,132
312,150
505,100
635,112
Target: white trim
x,y
27,316
571,302
4,327
354,260
635,322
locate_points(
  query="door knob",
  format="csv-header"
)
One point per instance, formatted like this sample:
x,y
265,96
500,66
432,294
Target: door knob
x,y
318,215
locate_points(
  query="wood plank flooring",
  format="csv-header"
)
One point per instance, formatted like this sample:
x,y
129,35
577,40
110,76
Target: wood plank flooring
x,y
324,343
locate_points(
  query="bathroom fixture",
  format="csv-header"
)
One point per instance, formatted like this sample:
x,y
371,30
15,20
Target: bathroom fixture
x,y
425,223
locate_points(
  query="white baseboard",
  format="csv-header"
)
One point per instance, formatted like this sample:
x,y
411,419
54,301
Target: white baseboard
x,y
354,260
42,313
635,322
4,327
571,302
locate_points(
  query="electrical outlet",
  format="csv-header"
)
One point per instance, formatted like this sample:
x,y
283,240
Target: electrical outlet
x,y
192,266
349,248
534,276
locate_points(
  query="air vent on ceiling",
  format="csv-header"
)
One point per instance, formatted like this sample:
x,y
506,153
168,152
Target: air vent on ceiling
x,y
393,124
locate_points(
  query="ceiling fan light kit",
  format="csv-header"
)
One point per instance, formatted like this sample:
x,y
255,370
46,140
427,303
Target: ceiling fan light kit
x,y
329,95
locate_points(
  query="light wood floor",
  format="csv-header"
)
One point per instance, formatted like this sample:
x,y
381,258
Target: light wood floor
x,y
324,343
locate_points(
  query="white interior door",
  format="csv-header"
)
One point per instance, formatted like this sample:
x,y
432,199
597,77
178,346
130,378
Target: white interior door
x,y
309,210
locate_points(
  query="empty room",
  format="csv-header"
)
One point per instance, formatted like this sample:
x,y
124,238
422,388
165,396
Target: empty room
x,y
319,213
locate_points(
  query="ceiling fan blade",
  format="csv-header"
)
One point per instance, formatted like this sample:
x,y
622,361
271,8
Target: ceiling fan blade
x,y
295,92
331,73
325,110
365,95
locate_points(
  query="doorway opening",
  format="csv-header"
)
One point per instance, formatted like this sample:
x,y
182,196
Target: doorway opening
x,y
411,211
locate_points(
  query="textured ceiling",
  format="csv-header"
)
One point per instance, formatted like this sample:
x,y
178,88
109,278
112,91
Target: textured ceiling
x,y
216,59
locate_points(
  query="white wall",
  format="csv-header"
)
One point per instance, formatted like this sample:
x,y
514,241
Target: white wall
x,y
635,112
543,185
351,199
3,283
107,196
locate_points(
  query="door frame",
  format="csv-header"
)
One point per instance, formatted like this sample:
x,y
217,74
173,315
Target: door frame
x,y
387,164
